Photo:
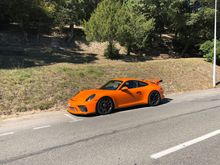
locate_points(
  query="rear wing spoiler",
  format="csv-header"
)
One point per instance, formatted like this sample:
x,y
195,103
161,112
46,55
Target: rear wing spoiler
x,y
157,82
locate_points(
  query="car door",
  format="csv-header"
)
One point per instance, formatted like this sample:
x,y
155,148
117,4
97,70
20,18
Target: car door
x,y
128,97
142,90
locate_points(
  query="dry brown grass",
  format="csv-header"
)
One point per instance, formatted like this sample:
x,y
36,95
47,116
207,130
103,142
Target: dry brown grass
x,y
41,88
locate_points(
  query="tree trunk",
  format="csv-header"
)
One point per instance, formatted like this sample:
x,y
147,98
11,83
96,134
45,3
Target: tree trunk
x,y
185,48
24,31
176,34
71,33
111,46
129,51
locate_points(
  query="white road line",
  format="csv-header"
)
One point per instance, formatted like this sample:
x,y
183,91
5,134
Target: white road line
x,y
73,118
75,121
69,116
41,127
7,133
184,145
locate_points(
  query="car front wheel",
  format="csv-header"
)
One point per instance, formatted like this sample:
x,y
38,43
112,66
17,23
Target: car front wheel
x,y
105,106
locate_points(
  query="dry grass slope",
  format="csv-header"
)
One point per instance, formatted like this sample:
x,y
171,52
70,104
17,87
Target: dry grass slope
x,y
41,88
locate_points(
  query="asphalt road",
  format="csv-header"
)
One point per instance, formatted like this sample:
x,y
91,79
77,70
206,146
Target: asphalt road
x,y
185,130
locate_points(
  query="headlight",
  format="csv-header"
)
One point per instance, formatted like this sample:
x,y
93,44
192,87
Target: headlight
x,y
90,97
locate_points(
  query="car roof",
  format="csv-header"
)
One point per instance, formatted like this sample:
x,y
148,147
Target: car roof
x,y
125,79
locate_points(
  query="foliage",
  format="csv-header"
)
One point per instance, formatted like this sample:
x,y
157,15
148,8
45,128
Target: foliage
x,y
133,29
111,52
73,12
132,23
29,14
89,7
70,12
159,10
122,23
41,14
192,25
190,21
102,25
207,49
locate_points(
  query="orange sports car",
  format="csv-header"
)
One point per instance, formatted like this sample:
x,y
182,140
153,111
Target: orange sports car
x,y
117,93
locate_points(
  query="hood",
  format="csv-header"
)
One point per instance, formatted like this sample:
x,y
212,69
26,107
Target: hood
x,y
83,95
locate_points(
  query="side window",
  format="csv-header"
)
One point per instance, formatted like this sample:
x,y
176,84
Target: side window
x,y
131,84
142,84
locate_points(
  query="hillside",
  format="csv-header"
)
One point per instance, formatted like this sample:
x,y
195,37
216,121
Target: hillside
x,y
47,49
43,88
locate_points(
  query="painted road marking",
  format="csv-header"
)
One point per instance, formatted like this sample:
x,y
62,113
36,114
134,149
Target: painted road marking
x,y
7,133
42,127
184,145
73,118
75,121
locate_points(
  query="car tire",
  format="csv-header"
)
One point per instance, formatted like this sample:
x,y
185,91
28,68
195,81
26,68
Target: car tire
x,y
154,98
105,106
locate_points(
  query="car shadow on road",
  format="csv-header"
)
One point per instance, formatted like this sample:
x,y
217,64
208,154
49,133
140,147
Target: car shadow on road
x,y
164,101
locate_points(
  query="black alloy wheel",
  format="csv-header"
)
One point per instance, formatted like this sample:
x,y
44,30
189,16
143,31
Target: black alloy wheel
x,y
154,98
105,106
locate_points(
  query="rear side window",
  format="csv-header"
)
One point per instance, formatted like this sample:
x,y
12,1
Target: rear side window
x,y
142,84
131,84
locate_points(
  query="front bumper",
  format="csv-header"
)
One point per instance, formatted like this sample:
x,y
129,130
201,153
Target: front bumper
x,y
81,108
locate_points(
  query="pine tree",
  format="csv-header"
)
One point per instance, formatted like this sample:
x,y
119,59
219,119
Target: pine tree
x,y
133,29
102,25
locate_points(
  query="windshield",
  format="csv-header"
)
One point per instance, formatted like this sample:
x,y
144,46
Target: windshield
x,y
112,85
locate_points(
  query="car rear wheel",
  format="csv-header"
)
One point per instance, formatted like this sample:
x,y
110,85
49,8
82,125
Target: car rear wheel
x,y
105,106
154,98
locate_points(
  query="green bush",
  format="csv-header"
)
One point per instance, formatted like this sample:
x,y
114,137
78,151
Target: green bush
x,y
111,52
208,49
134,30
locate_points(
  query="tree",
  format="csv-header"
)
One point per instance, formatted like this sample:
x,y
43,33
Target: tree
x,y
121,23
157,9
73,12
133,29
70,12
190,20
102,25
29,14
89,7
5,15
192,23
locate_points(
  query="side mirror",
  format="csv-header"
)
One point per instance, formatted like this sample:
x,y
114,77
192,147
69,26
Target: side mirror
x,y
124,88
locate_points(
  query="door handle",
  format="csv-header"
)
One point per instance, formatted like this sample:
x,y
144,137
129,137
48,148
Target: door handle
x,y
139,92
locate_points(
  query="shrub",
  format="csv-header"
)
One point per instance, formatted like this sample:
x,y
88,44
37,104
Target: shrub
x,y
208,49
111,51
